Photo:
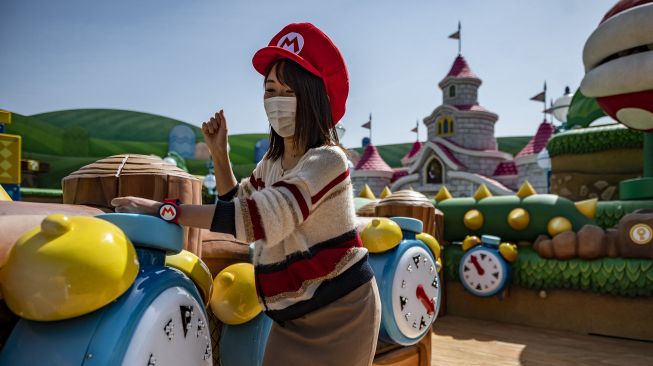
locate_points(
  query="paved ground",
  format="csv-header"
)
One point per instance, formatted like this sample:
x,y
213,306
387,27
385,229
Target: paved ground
x,y
468,342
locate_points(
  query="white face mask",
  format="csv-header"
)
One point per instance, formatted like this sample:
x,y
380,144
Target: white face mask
x,y
281,114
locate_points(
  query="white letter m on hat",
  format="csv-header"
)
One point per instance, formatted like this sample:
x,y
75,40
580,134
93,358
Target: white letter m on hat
x,y
293,42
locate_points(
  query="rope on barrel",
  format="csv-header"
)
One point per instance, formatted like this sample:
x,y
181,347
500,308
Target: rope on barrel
x,y
124,161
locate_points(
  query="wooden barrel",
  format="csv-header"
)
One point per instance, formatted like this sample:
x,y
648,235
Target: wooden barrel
x,y
369,210
413,204
144,176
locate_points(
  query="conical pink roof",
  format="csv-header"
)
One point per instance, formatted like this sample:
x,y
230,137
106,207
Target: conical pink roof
x,y
460,69
538,142
417,146
372,161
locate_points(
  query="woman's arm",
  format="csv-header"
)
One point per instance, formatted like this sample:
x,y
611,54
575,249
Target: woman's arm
x,y
224,175
215,135
199,216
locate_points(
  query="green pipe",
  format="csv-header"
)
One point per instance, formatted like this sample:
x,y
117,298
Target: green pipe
x,y
648,154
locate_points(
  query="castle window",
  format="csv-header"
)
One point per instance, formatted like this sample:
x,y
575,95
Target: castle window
x,y
434,172
452,91
445,126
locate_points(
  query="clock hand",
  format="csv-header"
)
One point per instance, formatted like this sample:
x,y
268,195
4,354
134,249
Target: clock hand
x,y
425,300
477,265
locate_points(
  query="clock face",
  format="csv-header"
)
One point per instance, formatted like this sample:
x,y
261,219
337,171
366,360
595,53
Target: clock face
x,y
415,292
172,331
483,272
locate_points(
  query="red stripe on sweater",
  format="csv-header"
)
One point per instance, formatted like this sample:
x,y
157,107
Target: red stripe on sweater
x,y
330,186
256,183
297,194
255,217
292,277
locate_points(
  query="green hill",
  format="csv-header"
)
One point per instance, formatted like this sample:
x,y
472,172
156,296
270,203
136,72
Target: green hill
x,y
112,124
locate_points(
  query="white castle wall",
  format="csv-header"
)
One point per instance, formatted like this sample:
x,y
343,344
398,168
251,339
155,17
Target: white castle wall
x,y
466,93
536,176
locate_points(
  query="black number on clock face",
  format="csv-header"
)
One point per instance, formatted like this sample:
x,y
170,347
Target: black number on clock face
x,y
416,260
168,329
435,282
403,301
422,324
186,317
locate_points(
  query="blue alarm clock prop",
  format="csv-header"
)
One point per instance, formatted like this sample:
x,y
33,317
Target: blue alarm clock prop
x,y
159,320
483,270
409,286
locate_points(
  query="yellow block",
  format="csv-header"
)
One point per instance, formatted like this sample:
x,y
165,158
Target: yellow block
x,y
5,117
4,196
9,159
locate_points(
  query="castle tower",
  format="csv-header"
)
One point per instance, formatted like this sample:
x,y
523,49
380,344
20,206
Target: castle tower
x,y
460,119
372,170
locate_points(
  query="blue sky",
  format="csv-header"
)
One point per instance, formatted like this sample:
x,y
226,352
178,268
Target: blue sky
x,y
187,59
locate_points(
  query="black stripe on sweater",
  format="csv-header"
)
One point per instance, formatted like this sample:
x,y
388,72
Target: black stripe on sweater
x,y
328,292
313,250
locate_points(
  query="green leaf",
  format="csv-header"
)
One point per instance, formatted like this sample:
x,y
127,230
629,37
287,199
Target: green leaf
x,y
633,276
584,266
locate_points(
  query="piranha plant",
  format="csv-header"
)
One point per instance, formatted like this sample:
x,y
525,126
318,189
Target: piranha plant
x,y
618,58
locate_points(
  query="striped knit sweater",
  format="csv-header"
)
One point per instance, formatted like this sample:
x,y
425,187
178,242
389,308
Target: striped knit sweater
x,y
307,252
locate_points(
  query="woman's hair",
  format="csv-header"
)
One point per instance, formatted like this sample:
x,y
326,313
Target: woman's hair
x,y
313,120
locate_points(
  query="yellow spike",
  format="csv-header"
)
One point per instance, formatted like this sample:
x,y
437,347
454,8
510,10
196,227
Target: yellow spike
x,y
4,196
443,194
367,193
518,219
587,207
482,192
386,192
526,190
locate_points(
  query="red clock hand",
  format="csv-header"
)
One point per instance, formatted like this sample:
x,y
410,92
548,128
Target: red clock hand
x,y
424,299
477,265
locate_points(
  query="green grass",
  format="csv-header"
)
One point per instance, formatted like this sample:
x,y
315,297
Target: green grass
x,y
98,147
512,144
37,136
60,166
111,124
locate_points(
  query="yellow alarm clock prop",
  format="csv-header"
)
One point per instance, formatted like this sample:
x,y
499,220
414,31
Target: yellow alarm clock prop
x,y
483,269
408,282
97,291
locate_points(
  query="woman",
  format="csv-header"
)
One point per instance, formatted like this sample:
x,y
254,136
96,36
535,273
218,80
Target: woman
x,y
312,274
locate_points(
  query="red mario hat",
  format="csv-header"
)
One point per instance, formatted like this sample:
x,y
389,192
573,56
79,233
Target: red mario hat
x,y
305,44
